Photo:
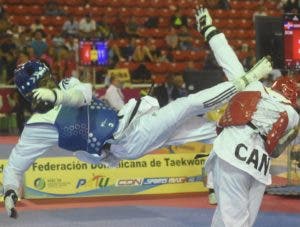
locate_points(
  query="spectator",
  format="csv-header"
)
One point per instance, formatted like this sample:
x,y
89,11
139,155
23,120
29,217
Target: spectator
x,y
170,90
128,50
4,26
224,4
210,62
21,108
113,94
190,67
23,57
151,22
141,74
58,41
66,65
7,54
2,11
52,9
172,39
72,43
142,53
217,4
261,11
24,40
10,64
178,20
70,27
115,54
155,52
185,39
118,28
87,27
37,25
49,56
38,44
132,27
31,54
290,6
14,31
164,56
7,44
104,29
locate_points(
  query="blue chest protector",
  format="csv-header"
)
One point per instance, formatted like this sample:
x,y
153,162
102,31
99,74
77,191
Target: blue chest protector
x,y
86,128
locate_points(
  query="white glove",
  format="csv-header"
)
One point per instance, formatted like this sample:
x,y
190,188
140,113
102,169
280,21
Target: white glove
x,y
45,94
10,200
203,19
204,24
260,70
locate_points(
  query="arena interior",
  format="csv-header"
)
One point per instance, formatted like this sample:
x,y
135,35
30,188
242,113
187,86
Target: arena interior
x,y
143,44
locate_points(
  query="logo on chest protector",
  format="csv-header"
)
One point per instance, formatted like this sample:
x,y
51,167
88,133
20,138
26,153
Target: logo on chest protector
x,y
252,158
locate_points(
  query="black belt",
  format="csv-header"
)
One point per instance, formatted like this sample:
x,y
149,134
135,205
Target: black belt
x,y
136,107
107,146
251,125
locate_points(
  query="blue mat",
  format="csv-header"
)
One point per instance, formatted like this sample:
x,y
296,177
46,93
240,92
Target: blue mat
x,y
291,190
139,216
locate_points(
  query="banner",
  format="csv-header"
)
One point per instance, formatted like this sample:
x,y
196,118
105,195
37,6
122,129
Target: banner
x,y
152,174
122,74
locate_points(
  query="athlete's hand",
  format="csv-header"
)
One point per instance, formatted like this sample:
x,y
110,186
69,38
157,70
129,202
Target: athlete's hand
x,y
10,200
44,94
203,18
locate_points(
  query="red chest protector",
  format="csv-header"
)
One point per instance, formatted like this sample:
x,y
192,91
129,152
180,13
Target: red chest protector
x,y
240,111
277,131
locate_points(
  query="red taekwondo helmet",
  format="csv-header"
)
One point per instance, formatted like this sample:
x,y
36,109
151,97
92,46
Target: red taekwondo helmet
x,y
287,86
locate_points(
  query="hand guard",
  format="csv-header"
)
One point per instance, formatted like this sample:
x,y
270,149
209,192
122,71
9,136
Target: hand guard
x,y
203,19
44,94
204,23
260,70
10,200
54,96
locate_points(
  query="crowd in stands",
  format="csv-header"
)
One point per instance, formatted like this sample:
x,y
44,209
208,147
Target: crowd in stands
x,y
145,40
58,44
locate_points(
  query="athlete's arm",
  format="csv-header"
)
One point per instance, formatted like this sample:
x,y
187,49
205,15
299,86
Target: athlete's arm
x,y
224,54
71,92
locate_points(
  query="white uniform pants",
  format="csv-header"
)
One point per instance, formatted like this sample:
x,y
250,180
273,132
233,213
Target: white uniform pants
x,y
175,123
33,143
238,194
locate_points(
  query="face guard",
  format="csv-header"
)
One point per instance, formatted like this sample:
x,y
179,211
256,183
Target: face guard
x,y
287,87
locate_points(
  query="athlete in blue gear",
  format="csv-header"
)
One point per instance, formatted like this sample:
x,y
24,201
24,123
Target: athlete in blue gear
x,y
69,117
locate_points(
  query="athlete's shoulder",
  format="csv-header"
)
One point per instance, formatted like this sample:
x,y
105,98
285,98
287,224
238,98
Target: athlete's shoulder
x,y
67,83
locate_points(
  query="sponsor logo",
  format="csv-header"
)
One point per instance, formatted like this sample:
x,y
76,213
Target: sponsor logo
x,y
96,181
155,181
80,183
158,181
130,182
39,183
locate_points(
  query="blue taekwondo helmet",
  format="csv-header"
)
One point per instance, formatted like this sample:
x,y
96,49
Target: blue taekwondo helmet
x,y
27,75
